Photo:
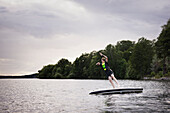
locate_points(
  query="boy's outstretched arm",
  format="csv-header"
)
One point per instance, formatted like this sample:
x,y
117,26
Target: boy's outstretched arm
x,y
104,56
98,63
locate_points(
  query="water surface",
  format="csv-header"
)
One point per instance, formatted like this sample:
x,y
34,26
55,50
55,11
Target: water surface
x,y
72,96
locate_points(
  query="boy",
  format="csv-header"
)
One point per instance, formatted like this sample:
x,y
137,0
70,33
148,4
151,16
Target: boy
x,y
106,68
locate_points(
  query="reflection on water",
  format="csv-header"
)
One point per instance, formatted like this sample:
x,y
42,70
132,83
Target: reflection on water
x,y
155,98
49,96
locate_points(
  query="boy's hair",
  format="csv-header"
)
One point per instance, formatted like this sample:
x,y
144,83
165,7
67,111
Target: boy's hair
x,y
103,58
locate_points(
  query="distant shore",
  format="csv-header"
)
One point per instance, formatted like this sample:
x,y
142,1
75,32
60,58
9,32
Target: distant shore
x,y
22,76
153,78
35,76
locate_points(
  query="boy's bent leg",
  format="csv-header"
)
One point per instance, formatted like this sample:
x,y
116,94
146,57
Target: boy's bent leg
x,y
110,79
115,79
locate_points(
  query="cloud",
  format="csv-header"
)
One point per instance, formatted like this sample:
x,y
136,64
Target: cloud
x,y
42,19
27,54
131,15
34,33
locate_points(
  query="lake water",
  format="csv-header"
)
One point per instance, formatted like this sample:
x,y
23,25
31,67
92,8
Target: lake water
x,y
72,96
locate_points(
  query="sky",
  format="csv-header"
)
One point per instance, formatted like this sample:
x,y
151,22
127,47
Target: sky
x,y
35,33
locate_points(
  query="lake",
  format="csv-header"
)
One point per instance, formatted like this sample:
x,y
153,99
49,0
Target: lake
x,y
72,96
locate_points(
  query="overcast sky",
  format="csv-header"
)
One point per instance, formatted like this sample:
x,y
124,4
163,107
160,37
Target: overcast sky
x,y
34,33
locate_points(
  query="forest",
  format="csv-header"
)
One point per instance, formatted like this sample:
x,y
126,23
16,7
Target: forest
x,y
128,60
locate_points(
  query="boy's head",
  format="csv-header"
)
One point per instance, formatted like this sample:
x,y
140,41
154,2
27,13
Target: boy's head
x,y
103,59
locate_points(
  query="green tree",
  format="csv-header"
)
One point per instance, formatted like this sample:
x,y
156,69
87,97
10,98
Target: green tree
x,y
46,72
141,59
125,46
80,66
163,46
64,67
60,70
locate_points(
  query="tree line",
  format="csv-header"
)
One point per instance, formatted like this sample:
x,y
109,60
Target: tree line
x,y
128,60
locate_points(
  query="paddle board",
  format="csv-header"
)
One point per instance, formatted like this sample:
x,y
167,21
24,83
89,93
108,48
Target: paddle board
x,y
118,91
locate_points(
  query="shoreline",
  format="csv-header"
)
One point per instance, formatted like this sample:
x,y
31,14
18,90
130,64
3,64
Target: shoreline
x,y
153,78
145,78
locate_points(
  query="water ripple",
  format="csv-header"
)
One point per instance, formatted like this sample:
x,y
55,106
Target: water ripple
x,y
63,96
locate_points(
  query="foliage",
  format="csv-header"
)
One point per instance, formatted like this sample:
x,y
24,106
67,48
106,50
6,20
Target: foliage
x,y
163,43
127,59
125,47
59,70
167,74
152,74
141,58
163,46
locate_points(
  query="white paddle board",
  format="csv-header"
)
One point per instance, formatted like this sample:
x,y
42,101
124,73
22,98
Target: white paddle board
x,y
118,91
